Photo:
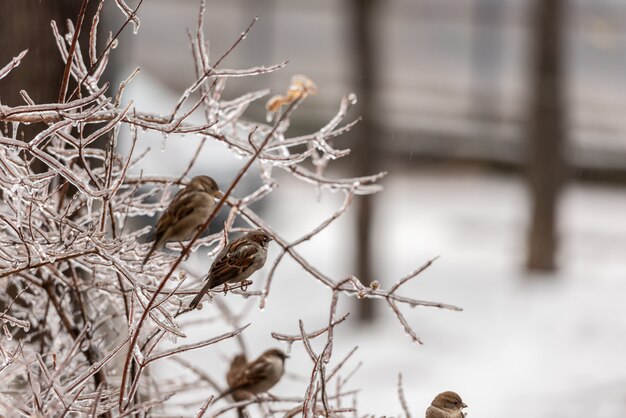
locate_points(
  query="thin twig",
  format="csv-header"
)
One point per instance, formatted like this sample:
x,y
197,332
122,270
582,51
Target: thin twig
x,y
401,397
70,57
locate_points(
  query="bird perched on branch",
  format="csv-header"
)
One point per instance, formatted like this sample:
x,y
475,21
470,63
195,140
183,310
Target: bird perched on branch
x,y
189,209
446,405
237,261
259,376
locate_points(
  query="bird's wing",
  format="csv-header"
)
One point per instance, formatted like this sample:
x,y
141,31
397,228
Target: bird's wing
x,y
433,412
239,256
252,374
181,206
235,368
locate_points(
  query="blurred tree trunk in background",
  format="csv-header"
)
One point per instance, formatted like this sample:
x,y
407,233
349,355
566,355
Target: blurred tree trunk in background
x,y
546,133
26,25
364,147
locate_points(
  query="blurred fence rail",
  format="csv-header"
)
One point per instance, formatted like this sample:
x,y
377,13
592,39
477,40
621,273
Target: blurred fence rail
x,y
453,74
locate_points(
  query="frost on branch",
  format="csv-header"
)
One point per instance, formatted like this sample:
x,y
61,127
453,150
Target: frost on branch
x,y
82,321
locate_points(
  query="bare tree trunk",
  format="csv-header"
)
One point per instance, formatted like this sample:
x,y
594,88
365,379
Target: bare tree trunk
x,y
26,25
546,165
364,146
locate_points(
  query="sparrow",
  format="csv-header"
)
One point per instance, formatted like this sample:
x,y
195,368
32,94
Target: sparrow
x,y
446,405
237,261
255,377
188,210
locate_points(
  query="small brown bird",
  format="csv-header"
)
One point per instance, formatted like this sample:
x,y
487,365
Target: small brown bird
x,y
256,377
446,405
188,210
237,261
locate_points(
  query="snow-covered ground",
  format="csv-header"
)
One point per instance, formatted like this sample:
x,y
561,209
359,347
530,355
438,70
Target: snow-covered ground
x,y
522,347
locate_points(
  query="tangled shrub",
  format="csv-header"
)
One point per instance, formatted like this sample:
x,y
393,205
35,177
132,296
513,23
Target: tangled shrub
x,y
72,259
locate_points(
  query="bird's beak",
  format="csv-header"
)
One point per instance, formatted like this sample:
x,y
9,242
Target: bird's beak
x,y
219,194
463,405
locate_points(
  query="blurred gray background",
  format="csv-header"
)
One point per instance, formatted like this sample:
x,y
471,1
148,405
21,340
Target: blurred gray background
x,y
451,78
517,86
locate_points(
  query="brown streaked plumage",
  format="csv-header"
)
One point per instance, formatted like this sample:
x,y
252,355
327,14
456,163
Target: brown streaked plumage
x,y
188,210
236,365
446,405
237,261
258,376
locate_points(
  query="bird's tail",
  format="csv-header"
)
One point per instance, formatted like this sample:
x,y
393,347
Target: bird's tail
x,y
225,393
152,250
159,240
194,303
